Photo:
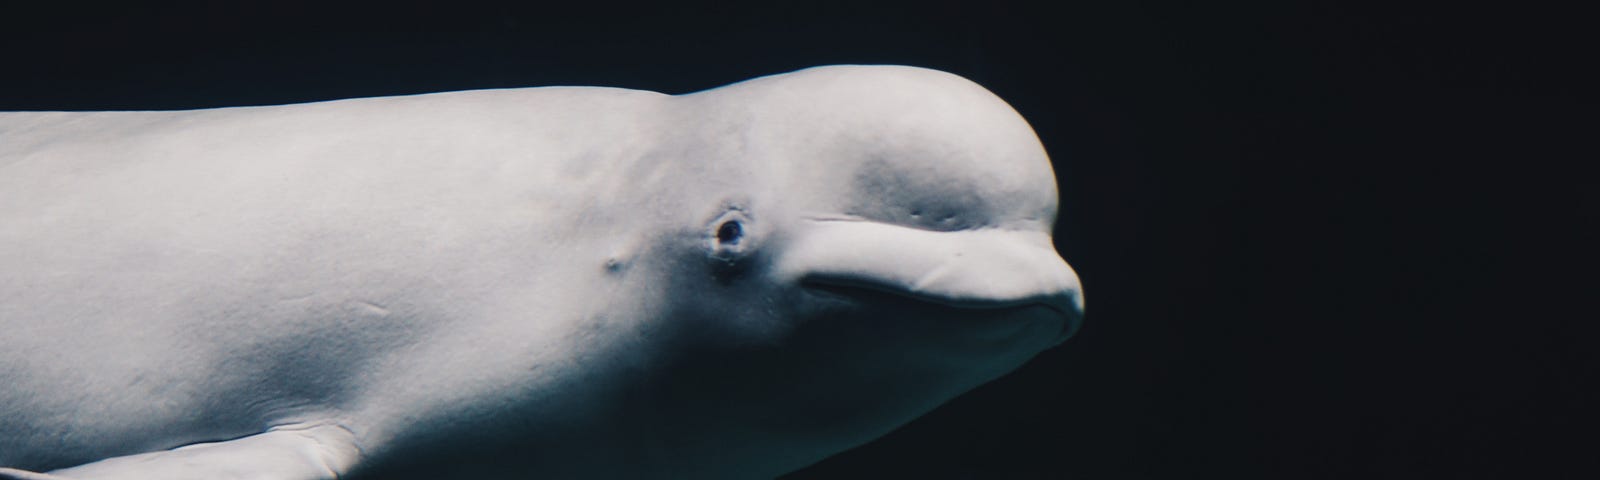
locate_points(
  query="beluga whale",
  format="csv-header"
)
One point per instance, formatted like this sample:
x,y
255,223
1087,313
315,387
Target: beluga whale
x,y
552,282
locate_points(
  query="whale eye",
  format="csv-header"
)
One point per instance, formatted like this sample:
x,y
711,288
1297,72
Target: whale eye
x,y
729,237
730,232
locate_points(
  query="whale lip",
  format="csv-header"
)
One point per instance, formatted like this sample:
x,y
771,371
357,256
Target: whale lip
x,y
1064,304
978,270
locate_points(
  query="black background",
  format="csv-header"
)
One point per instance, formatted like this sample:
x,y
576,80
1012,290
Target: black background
x,y
1317,240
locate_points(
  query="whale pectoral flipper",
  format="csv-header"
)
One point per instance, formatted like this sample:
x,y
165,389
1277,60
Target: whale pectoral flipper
x,y
284,453
14,474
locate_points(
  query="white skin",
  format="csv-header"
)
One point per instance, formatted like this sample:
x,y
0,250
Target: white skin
x,y
535,282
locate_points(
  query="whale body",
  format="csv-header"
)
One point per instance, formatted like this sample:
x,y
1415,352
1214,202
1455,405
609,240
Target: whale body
x,y
555,282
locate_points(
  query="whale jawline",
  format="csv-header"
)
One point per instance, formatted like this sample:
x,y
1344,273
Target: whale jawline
x,y
852,289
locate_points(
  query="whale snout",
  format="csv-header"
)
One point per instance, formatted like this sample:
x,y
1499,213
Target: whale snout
x,y
988,273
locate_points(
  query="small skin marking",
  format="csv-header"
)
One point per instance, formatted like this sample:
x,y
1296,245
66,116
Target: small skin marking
x,y
373,308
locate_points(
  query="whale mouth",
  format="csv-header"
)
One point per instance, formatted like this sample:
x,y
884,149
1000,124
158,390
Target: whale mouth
x,y
971,280
1000,313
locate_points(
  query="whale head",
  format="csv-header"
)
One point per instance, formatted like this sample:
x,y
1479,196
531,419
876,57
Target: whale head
x,y
863,244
